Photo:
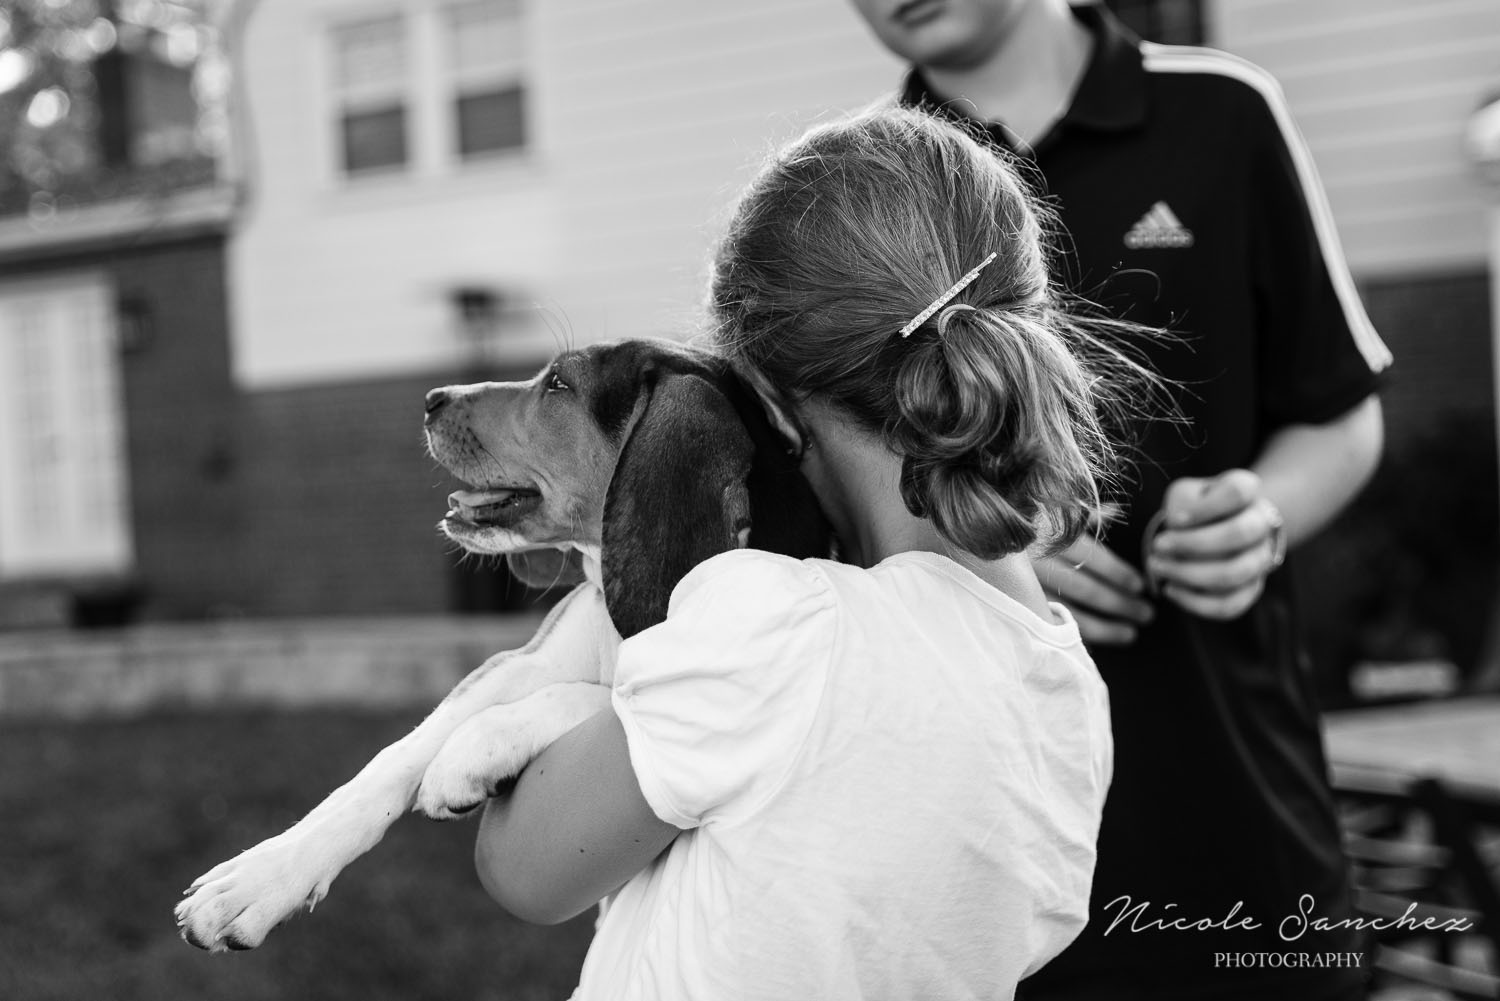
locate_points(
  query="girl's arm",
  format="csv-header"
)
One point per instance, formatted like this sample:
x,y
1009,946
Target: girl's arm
x,y
575,828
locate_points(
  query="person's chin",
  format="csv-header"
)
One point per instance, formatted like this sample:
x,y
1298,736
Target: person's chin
x,y
942,44
947,34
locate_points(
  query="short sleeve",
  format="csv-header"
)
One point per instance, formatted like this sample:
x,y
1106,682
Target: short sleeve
x,y
1319,353
717,700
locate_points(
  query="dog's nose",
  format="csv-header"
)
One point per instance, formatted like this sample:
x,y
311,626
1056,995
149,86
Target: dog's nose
x,y
436,400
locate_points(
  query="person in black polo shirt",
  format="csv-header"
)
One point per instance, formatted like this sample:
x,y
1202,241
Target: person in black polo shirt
x,y
1190,202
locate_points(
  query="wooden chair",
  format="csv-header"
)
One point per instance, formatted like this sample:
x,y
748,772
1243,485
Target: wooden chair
x,y
1421,842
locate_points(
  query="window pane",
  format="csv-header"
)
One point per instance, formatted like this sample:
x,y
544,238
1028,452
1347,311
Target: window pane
x,y
369,54
493,120
63,501
374,139
486,37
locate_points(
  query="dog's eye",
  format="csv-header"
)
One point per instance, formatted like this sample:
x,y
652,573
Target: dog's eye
x,y
555,383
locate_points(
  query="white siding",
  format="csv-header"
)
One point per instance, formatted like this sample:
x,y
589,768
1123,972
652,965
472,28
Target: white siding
x,y
1382,90
646,116
680,101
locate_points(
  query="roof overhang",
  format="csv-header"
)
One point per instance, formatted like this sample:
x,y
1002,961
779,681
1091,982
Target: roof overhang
x,y
116,224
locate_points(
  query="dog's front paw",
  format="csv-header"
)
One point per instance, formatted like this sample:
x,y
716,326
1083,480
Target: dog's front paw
x,y
483,756
490,748
236,904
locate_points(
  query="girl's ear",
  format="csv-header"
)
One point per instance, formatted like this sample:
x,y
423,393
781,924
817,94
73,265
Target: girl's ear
x,y
778,409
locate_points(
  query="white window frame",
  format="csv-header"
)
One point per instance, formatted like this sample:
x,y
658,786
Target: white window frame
x,y
459,81
337,99
430,92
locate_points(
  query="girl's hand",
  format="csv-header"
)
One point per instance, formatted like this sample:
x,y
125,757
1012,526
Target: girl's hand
x,y
1104,593
1220,539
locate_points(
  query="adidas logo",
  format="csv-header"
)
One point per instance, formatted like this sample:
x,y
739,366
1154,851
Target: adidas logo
x,y
1158,228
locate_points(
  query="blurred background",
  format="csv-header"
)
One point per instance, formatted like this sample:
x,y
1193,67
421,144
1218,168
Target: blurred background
x,y
239,240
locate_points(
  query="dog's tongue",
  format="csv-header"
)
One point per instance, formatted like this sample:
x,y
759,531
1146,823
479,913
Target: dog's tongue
x,y
478,498
476,503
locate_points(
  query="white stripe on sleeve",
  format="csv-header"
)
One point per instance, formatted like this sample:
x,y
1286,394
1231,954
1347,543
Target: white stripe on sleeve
x,y
1190,59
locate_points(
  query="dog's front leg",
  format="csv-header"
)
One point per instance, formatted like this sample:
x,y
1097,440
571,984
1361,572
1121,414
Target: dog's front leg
x,y
235,904
494,745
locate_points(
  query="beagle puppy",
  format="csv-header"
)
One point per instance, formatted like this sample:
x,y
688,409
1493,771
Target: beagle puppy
x,y
620,466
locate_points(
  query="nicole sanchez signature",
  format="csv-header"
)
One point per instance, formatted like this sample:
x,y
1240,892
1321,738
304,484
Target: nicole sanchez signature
x,y
1291,928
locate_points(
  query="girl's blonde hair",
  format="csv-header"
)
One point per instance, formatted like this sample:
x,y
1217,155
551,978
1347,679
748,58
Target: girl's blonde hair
x,y
853,230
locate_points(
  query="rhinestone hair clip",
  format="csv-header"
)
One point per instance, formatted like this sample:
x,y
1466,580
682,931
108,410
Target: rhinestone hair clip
x,y
947,296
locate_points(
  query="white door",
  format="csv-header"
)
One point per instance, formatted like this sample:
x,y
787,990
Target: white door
x,y
63,504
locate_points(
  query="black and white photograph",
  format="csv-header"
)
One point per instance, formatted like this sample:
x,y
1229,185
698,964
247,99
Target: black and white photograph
x,y
810,500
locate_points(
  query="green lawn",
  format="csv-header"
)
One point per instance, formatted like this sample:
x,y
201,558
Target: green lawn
x,y
102,824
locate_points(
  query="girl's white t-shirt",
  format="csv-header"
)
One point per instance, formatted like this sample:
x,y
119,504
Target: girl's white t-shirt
x,y
889,780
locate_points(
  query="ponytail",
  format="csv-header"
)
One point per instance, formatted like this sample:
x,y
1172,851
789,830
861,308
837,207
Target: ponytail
x,y
996,424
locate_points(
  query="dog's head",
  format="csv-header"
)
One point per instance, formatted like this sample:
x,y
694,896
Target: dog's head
x,y
648,453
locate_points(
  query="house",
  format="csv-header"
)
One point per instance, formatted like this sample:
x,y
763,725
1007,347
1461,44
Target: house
x,y
430,191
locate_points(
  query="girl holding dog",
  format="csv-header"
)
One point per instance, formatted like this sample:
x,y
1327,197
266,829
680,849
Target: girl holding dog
x,y
883,777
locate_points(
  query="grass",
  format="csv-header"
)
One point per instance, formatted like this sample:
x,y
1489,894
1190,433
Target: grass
x,y
104,823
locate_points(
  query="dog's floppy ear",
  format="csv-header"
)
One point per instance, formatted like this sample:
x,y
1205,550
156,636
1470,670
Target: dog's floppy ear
x,y
541,569
678,495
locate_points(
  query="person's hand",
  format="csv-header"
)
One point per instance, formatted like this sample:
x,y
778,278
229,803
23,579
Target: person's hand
x,y
1104,593
1220,539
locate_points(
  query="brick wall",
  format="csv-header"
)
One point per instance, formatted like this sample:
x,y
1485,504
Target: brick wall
x,y
1409,572
1439,330
341,504
179,412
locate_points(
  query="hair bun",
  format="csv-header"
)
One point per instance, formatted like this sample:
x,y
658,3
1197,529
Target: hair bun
x,y
996,429
973,505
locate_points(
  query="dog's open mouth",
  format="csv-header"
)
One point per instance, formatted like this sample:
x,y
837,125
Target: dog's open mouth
x,y
491,506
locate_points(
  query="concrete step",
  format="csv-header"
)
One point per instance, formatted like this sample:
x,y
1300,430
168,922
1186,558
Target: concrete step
x,y
385,662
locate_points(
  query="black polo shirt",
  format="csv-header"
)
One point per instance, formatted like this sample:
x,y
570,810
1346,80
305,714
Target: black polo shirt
x,y
1189,202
